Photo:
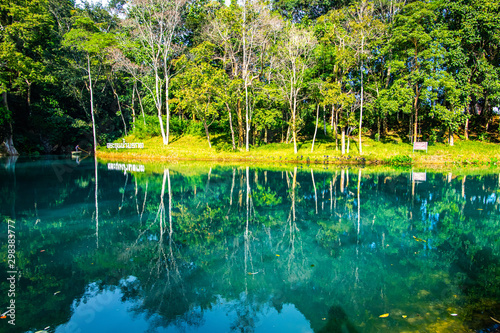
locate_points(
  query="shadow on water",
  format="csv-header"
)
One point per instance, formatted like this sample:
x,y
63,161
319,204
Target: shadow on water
x,y
337,322
9,163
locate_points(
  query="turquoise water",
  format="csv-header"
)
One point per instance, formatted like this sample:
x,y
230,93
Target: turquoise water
x,y
211,248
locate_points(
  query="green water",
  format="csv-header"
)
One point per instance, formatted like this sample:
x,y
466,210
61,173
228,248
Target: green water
x,y
194,248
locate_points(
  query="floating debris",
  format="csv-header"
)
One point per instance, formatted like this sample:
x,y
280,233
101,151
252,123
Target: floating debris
x,y
404,316
419,239
57,292
253,273
277,255
385,315
454,314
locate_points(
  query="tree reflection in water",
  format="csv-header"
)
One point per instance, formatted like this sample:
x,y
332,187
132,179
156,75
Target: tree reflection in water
x,y
199,242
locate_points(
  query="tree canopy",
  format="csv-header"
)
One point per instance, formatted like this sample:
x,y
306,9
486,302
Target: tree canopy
x,y
250,73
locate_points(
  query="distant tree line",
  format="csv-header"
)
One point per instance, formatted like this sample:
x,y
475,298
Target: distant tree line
x,y
252,72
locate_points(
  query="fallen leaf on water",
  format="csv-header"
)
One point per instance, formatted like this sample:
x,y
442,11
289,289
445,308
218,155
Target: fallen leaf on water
x,y
277,255
42,251
312,265
404,316
385,315
479,209
57,292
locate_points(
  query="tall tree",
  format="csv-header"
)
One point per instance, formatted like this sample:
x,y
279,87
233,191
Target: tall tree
x,y
294,57
155,26
25,32
199,84
412,37
92,46
474,56
244,33
366,30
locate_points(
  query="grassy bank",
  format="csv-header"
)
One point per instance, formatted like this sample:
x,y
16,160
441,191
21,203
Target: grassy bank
x,y
463,153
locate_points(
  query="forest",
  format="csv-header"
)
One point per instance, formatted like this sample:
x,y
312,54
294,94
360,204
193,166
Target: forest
x,y
250,72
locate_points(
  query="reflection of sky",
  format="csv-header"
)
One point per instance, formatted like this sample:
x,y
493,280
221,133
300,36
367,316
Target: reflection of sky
x,y
106,312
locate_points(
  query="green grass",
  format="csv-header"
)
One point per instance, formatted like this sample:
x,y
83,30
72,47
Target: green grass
x,y
464,153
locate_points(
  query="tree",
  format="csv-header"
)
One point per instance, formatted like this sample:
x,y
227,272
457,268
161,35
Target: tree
x,y
337,62
366,30
199,84
25,30
294,57
474,52
154,26
86,38
245,34
412,37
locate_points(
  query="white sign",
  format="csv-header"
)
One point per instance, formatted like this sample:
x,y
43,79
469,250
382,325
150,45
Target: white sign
x,y
125,145
126,167
419,176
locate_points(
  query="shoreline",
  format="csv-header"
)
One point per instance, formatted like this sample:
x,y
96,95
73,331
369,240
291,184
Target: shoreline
x,y
192,148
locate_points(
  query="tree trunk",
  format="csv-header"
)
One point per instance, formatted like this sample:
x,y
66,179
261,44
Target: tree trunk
x,y
316,128
158,103
247,119
119,107
415,125
8,142
240,123
360,146
294,126
29,97
334,127
343,140
92,103
206,132
466,129
378,128
167,109
140,103
133,106
451,137
231,126
324,119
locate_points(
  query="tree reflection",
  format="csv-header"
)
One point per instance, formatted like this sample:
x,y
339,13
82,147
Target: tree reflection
x,y
208,242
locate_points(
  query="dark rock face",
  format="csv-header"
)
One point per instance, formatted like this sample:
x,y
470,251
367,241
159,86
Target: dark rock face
x,y
7,147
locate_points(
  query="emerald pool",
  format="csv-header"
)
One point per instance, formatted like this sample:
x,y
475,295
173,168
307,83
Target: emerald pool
x,y
201,247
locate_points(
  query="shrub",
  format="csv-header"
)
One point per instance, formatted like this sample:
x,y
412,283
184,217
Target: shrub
x,y
400,160
150,129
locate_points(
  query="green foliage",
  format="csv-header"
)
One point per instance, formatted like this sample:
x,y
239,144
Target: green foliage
x,y
400,160
147,130
433,62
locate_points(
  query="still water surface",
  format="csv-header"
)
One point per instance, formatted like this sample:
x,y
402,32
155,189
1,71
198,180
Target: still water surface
x,y
207,248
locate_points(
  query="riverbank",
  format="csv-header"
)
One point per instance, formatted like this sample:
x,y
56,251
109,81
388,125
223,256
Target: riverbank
x,y
186,148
